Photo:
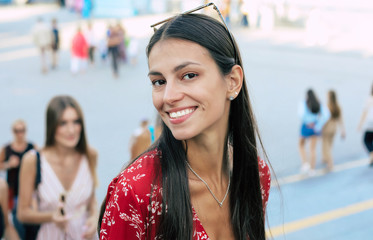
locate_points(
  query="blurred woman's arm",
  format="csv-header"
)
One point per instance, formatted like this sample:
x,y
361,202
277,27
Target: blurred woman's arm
x,y
341,125
10,232
3,164
25,211
91,223
362,120
12,162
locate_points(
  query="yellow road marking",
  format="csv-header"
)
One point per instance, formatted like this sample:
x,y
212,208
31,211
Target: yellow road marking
x,y
320,218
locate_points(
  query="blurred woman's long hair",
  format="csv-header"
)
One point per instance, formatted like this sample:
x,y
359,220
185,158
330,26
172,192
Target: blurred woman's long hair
x,y
335,110
312,103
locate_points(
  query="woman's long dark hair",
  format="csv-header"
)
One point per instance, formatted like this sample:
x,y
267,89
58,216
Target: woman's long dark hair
x,y
245,195
312,103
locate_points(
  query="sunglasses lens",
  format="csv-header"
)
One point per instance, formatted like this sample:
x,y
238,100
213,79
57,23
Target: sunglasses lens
x,y
19,131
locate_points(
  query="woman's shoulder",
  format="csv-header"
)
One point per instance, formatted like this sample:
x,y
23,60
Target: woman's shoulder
x,y
92,154
29,160
139,176
264,170
147,162
265,179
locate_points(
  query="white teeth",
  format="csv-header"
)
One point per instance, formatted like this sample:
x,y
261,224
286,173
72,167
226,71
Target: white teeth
x,y
181,113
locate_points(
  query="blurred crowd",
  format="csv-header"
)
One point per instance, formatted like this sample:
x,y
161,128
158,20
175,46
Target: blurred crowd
x,y
83,7
115,47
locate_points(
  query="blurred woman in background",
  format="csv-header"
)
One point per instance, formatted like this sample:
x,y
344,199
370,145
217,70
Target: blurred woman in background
x,y
330,128
366,123
313,116
11,156
66,198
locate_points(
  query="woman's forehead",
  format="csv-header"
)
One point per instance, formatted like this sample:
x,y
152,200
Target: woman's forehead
x,y
177,43
183,50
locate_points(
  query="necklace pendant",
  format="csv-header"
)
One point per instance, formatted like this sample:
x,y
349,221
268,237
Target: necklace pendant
x,y
220,204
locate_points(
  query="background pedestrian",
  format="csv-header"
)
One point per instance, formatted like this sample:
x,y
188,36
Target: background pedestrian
x,y
366,124
11,156
313,116
79,52
330,128
144,137
91,40
115,38
55,43
66,195
42,38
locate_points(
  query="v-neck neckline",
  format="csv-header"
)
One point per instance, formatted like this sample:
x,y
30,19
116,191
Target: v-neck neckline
x,y
201,228
58,179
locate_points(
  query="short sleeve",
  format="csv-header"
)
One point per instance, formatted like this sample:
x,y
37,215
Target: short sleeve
x,y
265,182
123,217
133,203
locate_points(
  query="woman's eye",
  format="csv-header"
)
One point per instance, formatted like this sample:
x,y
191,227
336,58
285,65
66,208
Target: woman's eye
x,y
158,82
189,76
62,123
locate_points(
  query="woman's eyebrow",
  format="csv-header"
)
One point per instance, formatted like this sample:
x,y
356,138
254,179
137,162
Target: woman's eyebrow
x,y
183,65
177,68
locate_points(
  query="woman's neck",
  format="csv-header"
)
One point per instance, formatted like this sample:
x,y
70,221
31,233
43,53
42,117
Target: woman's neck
x,y
61,152
19,144
208,157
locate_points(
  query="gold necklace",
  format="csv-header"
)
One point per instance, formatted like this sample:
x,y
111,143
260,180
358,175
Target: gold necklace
x,y
216,199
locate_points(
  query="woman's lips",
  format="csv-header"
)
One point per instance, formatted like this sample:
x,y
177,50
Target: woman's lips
x,y
179,116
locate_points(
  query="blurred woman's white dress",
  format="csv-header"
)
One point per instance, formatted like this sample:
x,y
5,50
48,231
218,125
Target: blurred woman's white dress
x,y
76,201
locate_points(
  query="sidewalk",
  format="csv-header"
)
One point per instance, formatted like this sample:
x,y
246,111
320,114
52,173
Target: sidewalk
x,y
337,205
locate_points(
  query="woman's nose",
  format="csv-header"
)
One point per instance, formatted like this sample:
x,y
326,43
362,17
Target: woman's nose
x,y
173,92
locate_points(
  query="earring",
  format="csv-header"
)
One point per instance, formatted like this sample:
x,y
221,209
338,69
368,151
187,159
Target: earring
x,y
231,98
236,93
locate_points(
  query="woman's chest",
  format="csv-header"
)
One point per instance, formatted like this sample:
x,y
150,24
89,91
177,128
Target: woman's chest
x,y
211,220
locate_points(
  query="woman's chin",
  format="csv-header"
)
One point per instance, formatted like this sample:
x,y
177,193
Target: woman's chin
x,y
182,135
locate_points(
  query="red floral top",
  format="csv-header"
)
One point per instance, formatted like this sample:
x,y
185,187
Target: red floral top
x,y
129,211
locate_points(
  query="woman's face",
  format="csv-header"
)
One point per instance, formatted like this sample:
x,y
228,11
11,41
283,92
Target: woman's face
x,y
19,131
189,92
69,129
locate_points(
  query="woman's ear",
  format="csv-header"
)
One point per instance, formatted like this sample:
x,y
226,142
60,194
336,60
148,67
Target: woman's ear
x,y
234,81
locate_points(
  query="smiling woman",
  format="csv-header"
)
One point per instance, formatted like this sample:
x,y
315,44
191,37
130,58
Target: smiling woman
x,y
202,179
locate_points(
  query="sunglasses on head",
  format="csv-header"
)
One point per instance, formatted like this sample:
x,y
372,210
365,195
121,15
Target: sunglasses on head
x,y
197,9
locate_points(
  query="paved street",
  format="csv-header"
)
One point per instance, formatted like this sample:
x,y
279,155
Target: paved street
x,y
279,69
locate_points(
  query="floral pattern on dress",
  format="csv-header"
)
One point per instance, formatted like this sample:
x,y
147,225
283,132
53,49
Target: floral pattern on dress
x,y
134,201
